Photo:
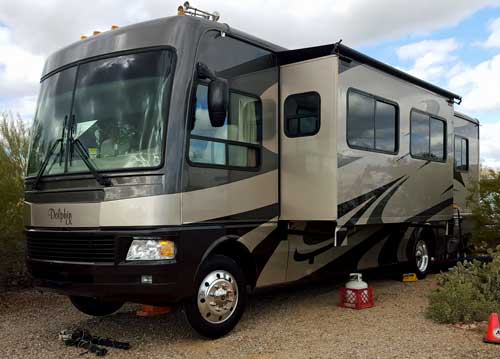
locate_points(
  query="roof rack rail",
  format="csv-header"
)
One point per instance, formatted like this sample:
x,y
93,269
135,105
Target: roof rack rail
x,y
187,9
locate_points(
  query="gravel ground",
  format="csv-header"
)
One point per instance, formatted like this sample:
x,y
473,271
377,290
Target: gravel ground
x,y
299,322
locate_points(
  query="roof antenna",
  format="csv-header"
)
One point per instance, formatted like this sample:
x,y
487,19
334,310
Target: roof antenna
x,y
187,9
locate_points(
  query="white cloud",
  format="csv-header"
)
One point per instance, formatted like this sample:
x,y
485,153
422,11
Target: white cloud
x,y
436,61
494,38
42,26
479,86
19,68
24,106
490,146
431,58
37,28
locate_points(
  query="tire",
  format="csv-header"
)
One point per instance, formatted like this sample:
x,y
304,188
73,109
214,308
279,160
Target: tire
x,y
223,277
419,257
95,306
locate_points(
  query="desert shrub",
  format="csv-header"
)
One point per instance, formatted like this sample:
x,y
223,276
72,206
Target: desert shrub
x,y
468,292
13,156
486,211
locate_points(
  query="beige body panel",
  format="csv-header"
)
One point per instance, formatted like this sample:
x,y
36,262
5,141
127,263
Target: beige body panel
x,y
230,199
309,164
133,212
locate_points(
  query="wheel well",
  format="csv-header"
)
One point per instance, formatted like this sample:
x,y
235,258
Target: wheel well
x,y
240,254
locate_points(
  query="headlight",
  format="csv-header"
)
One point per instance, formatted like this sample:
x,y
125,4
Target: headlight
x,y
151,249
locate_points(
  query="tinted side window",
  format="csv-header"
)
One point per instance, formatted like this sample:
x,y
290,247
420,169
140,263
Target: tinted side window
x,y
461,153
302,114
360,126
237,142
427,137
385,127
437,139
372,123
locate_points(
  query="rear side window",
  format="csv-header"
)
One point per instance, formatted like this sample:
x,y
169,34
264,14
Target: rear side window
x,y
428,137
302,114
372,123
461,153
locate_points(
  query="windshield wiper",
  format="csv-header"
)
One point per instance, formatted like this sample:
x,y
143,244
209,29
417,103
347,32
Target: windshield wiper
x,y
46,162
84,155
49,155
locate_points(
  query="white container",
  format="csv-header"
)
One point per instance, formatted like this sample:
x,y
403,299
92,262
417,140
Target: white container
x,y
356,282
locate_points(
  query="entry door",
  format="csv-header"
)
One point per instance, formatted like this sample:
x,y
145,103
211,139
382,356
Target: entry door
x,y
308,162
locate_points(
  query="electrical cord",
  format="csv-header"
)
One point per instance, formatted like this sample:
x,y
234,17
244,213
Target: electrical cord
x,y
81,338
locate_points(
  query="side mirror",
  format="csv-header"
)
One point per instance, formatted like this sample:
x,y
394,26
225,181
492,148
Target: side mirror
x,y
218,95
218,98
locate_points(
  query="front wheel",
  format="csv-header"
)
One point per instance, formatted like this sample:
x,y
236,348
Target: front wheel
x,y
220,298
95,306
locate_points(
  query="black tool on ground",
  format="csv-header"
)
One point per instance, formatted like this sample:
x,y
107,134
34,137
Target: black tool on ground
x,y
82,338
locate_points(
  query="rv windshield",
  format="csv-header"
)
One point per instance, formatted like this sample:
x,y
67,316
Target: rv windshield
x,y
117,113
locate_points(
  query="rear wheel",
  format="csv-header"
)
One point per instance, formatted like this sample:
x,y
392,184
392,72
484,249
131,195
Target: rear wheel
x,y
95,306
420,258
220,298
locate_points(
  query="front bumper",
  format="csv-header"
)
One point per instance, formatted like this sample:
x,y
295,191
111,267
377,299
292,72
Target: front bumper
x,y
92,263
120,282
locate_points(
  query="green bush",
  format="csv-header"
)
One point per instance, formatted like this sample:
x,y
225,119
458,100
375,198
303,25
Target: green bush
x,y
486,211
468,292
13,156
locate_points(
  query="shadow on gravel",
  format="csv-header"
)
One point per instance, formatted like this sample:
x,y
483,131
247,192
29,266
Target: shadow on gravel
x,y
262,304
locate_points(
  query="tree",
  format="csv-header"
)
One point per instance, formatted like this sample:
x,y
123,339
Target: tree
x,y
487,211
13,157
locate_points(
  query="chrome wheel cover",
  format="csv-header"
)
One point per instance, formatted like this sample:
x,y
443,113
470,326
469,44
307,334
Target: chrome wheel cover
x,y
217,296
422,256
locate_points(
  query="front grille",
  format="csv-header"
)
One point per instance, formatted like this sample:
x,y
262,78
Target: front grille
x,y
72,249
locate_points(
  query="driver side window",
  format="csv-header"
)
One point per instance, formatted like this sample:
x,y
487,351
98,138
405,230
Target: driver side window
x,y
236,143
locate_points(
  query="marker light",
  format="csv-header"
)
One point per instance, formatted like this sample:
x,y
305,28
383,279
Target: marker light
x,y
114,27
83,37
180,11
96,33
151,249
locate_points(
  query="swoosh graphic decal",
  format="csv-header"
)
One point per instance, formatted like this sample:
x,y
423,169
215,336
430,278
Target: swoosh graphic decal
x,y
349,260
425,164
446,190
265,249
355,218
400,158
348,206
309,256
343,160
376,215
428,213
458,177
300,257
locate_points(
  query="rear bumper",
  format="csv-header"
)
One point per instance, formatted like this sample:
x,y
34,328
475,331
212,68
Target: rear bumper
x,y
121,282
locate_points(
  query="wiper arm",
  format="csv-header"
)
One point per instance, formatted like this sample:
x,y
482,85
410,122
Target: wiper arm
x,y
80,148
49,154
45,163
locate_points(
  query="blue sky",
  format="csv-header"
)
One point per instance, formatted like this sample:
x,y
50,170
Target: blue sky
x,y
452,43
468,33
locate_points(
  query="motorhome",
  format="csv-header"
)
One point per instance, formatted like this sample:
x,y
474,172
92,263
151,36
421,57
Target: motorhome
x,y
181,161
